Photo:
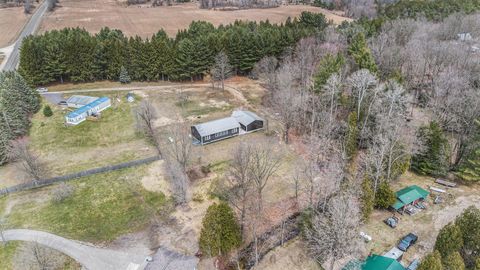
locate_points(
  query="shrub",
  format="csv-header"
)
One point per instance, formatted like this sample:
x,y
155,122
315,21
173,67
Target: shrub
x,y
62,192
47,111
220,231
124,77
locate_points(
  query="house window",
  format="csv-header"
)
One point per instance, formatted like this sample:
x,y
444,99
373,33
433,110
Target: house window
x,y
206,138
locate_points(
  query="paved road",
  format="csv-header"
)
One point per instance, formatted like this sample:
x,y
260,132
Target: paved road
x,y
90,257
13,59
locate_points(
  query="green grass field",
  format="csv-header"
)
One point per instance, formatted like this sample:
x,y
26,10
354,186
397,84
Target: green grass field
x,y
116,125
101,208
7,251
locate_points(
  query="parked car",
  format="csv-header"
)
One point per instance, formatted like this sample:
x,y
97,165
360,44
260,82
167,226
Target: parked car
x,y
407,241
62,103
392,222
414,265
42,89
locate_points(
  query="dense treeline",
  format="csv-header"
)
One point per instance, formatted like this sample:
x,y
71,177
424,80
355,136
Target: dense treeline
x,y
78,56
431,9
17,102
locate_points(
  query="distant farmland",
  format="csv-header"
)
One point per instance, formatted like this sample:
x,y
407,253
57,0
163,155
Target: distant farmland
x,y
146,21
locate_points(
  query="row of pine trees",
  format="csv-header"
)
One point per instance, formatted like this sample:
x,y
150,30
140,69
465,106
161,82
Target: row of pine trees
x,y
75,55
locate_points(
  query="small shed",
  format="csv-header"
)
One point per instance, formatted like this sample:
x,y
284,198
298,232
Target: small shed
x,y
248,121
409,196
78,101
93,108
130,97
215,130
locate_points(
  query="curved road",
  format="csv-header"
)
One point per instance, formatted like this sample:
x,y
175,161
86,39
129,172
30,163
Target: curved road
x,y
13,58
90,257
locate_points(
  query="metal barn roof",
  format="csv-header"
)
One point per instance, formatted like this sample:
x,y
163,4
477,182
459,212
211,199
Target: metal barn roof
x,y
216,126
82,100
245,117
408,195
87,107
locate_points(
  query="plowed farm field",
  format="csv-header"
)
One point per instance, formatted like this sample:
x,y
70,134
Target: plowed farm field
x,y
145,21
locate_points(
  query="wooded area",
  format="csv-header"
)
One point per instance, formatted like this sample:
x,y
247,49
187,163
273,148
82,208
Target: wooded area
x,y
76,55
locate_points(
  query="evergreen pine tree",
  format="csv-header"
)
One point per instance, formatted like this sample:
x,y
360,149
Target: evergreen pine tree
x,y
477,264
449,240
328,66
453,261
220,231
469,169
469,224
432,261
433,159
385,196
17,102
361,54
124,77
351,139
47,111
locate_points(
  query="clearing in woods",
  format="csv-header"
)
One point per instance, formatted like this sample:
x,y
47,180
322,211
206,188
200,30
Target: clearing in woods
x,y
145,21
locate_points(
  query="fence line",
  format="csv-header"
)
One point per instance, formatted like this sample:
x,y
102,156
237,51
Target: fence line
x,y
67,177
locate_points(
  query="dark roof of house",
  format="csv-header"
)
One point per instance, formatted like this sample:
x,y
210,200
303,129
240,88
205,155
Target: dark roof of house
x,y
216,126
245,117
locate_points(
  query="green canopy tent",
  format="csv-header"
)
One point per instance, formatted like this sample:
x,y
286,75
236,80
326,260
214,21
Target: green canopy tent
x,y
409,195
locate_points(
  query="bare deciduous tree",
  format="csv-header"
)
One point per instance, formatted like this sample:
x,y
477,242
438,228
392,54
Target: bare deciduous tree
x,y
265,70
145,115
222,69
264,164
240,180
334,233
179,145
179,181
29,162
37,257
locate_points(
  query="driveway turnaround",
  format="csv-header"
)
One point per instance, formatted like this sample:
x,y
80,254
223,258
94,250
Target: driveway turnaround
x,y
89,256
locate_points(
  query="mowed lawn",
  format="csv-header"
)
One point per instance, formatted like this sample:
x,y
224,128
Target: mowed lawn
x,y
101,207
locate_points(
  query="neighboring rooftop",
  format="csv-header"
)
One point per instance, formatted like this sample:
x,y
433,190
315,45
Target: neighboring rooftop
x,y
87,107
245,117
81,100
216,126
408,195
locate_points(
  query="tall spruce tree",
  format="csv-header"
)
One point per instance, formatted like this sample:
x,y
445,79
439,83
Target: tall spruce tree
x,y
432,261
124,77
361,54
469,224
17,102
220,231
453,261
449,240
433,158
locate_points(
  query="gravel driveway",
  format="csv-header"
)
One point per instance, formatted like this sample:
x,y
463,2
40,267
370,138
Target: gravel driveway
x,y
90,257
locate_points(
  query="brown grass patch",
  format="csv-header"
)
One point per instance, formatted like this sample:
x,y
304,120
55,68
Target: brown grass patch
x,y
12,21
146,21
